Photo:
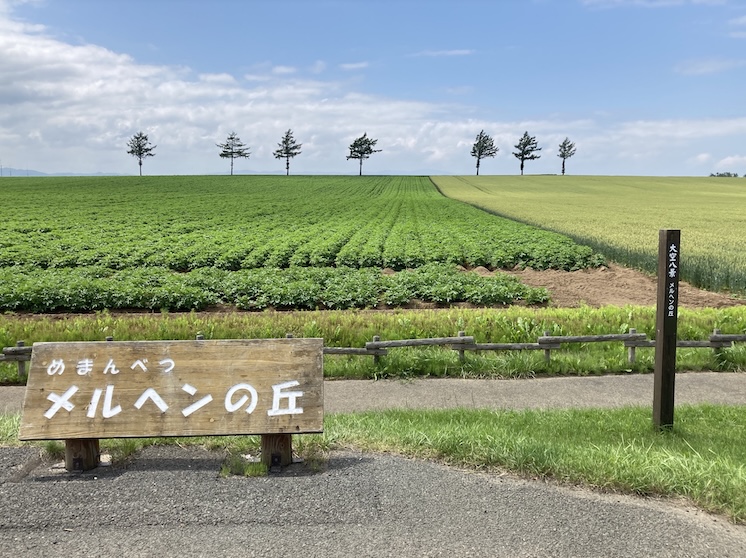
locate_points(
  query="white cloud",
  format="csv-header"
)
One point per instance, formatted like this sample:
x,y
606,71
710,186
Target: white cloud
x,y
354,66
318,67
702,158
217,78
283,70
708,66
731,162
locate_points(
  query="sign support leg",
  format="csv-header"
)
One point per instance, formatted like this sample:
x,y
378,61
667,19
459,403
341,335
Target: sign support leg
x,y
82,455
277,451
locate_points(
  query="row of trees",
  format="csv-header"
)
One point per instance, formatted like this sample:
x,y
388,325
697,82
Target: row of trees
x,y
360,149
233,148
526,149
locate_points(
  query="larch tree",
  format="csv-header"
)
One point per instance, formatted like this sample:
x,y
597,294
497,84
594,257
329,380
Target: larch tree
x,y
566,150
233,148
483,147
526,149
287,149
362,148
140,148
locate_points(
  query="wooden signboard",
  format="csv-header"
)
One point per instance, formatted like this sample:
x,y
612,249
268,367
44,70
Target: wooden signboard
x,y
173,388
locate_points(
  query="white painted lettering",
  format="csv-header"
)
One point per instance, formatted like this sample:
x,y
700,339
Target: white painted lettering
x,y
61,402
140,364
111,367
290,396
196,406
93,405
168,365
233,407
151,394
84,367
57,366
107,411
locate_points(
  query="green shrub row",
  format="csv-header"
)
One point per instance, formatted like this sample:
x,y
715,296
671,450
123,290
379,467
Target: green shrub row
x,y
87,289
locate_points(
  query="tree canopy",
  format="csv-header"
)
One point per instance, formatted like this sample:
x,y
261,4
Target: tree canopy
x,y
566,150
483,147
140,148
287,149
526,149
233,148
362,148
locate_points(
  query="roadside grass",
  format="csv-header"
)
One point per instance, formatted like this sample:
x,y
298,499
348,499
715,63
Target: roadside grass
x,y
355,328
703,459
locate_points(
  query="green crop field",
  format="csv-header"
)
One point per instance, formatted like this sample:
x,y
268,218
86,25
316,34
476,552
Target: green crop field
x,y
620,217
182,243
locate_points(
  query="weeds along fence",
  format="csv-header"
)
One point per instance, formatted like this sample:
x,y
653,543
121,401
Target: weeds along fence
x,y
462,343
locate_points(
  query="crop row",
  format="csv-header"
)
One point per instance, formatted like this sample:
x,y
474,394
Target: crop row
x,y
88,289
248,222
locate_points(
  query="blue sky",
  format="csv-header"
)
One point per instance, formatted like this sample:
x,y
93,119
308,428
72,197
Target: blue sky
x,y
643,87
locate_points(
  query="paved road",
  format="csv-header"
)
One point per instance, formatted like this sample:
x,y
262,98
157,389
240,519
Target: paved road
x,y
170,501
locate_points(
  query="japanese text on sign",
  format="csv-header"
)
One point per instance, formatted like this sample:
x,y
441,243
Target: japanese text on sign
x,y
275,385
672,280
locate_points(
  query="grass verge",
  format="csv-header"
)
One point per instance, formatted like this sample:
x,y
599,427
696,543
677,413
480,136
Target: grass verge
x,y
354,328
703,459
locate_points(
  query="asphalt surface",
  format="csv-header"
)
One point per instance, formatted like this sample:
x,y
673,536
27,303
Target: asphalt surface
x,y
170,500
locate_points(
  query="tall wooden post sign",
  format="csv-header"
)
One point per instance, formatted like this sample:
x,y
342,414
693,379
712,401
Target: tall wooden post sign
x,y
669,258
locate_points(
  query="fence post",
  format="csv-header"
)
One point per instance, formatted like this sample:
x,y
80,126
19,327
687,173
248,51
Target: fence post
x,y
461,355
632,351
717,349
21,363
547,352
376,358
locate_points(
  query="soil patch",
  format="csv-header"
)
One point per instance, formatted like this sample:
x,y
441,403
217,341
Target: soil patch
x,y
615,286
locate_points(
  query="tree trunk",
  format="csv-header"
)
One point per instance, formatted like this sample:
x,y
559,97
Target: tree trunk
x,y
140,163
287,166
521,167
477,167
563,167
231,166
361,167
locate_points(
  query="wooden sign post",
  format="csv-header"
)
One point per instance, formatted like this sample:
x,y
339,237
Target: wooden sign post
x,y
81,392
669,258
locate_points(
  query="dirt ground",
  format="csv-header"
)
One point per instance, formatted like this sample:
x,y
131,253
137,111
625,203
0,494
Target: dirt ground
x,y
615,286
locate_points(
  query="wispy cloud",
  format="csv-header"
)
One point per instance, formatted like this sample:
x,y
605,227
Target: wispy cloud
x,y
439,53
739,27
283,70
707,66
318,67
217,78
354,66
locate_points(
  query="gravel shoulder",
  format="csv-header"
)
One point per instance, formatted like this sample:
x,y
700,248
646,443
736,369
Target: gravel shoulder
x,y
170,501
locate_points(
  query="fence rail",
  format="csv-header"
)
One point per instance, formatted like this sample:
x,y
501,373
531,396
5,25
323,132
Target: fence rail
x,y
462,343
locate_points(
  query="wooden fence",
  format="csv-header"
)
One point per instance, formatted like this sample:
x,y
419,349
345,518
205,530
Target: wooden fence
x,y
462,343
